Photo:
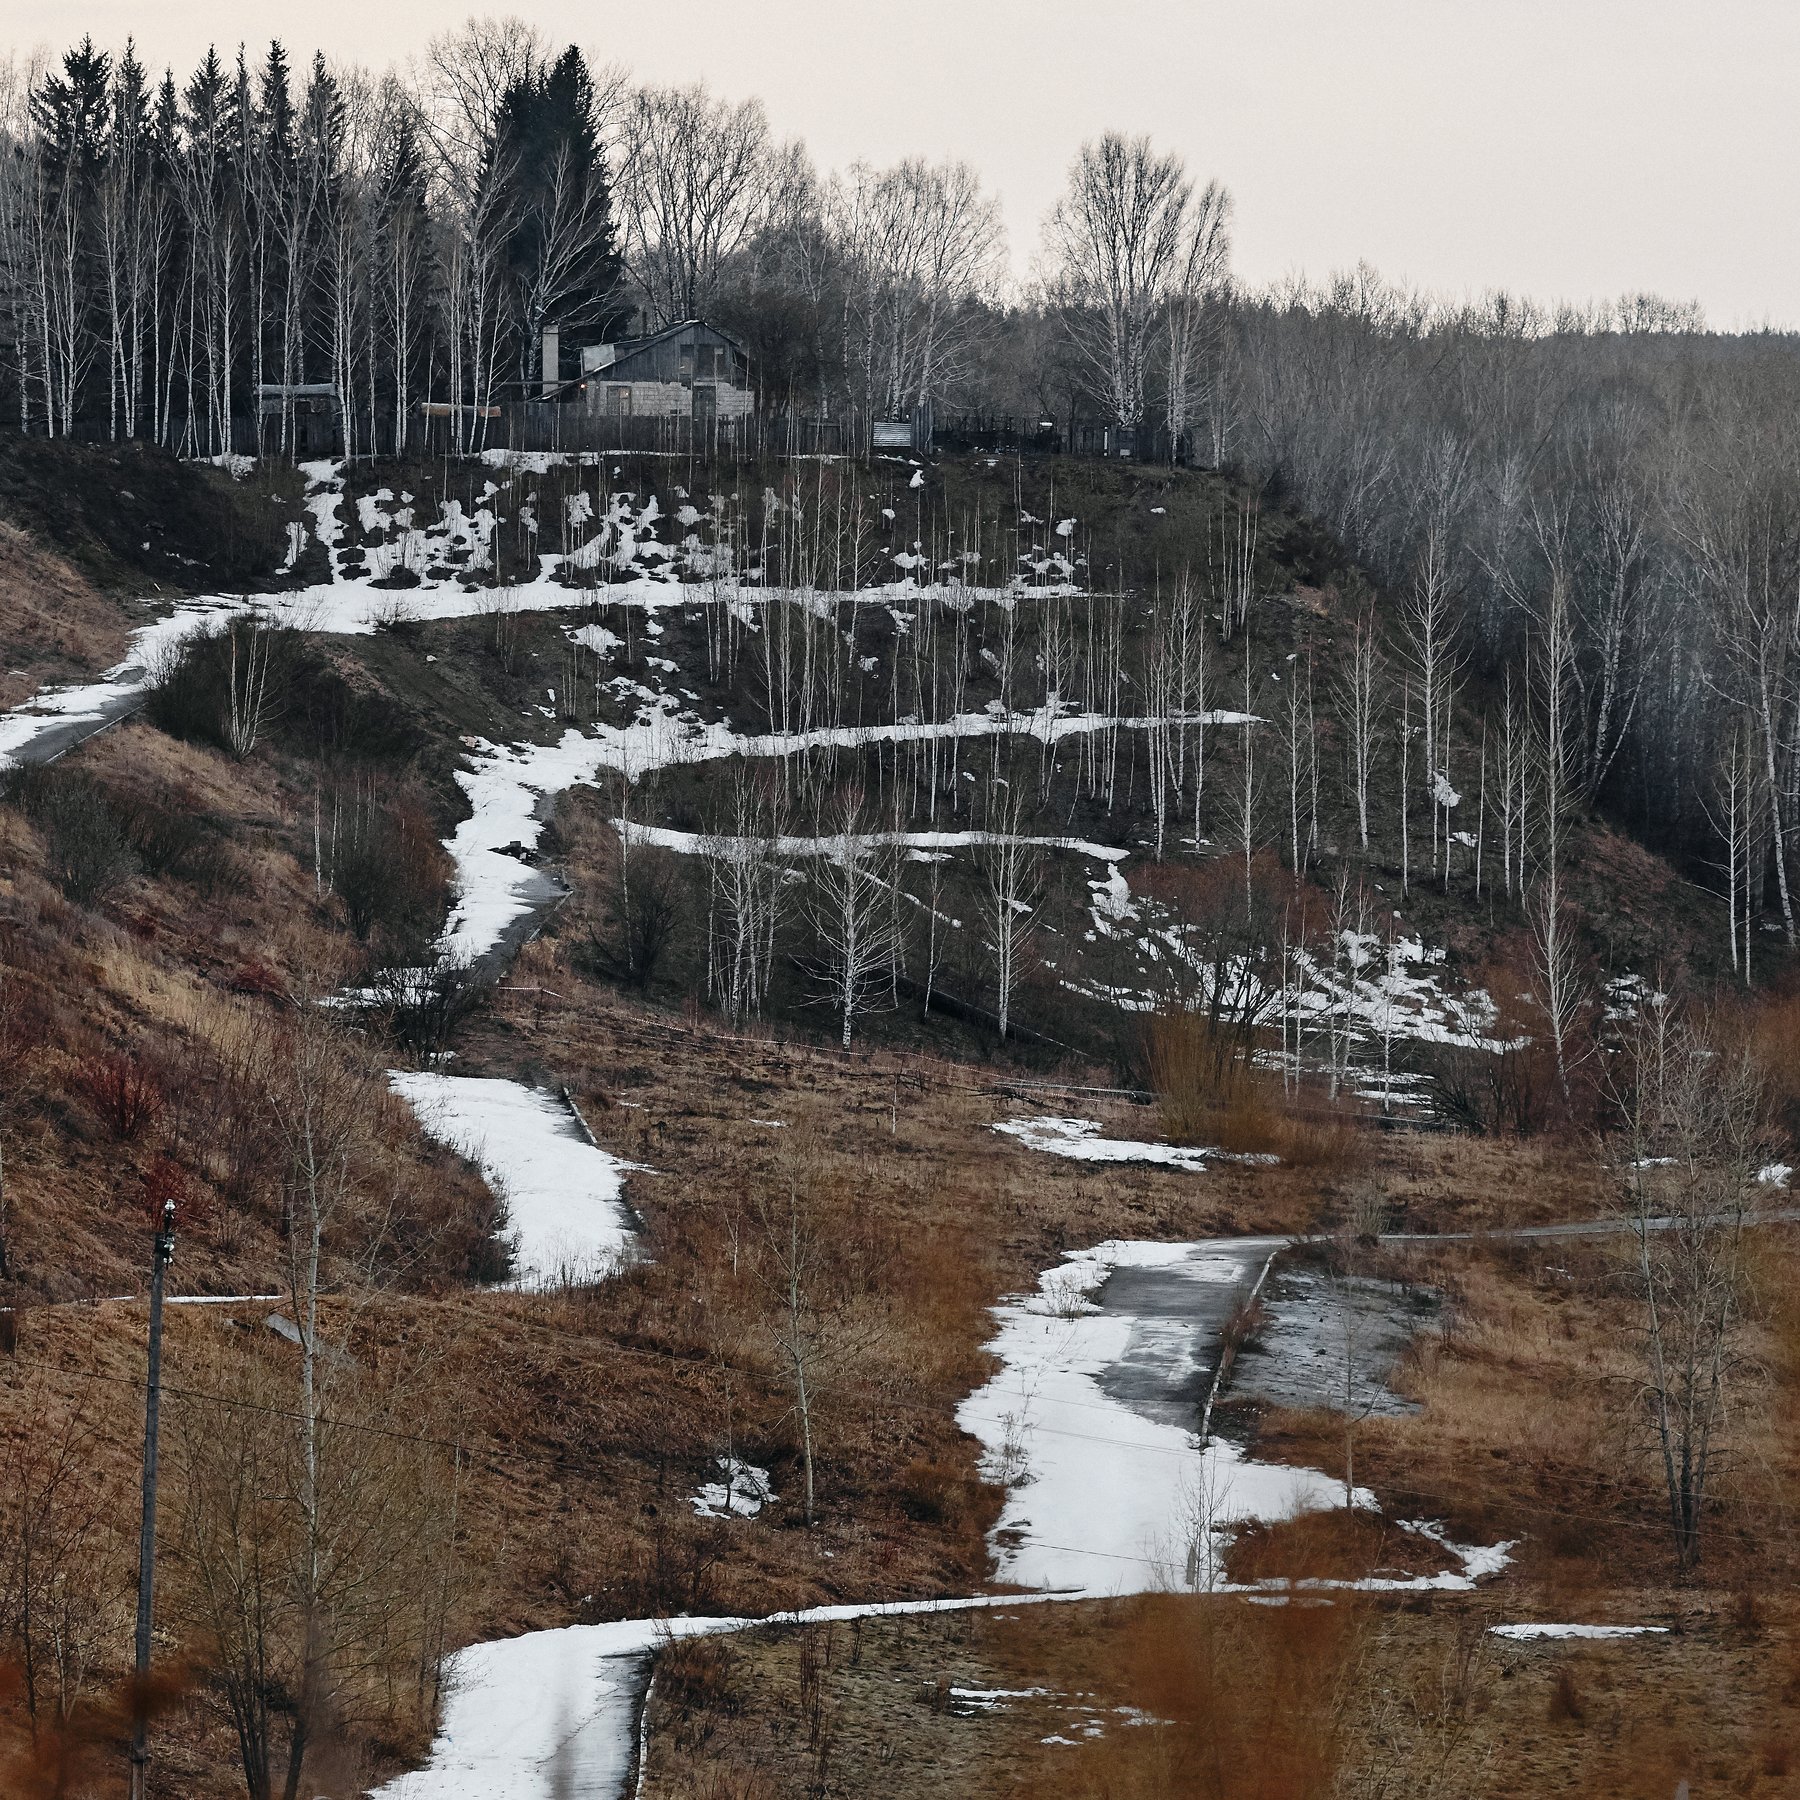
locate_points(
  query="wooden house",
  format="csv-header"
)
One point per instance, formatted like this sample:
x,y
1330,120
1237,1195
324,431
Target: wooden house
x,y
690,370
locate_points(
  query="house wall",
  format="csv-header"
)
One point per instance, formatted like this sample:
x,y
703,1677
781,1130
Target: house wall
x,y
665,399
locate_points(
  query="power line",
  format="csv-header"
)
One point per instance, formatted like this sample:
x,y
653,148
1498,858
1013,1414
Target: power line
x,y
499,1460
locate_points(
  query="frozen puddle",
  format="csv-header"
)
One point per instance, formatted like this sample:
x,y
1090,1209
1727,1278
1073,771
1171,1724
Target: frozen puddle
x,y
564,1195
1334,1343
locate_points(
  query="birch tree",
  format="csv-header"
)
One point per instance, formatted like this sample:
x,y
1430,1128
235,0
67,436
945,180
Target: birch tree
x,y
851,908
697,178
1116,241
1695,1112
1193,309
1011,868
1357,689
921,244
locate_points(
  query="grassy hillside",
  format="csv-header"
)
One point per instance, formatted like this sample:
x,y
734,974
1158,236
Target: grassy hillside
x,y
190,931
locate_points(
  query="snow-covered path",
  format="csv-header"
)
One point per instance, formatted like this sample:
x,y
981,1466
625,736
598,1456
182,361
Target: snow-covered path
x,y
50,722
564,1195
1091,1422
508,785
555,1712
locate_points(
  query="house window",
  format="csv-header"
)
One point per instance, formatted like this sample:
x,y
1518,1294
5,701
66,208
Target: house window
x,y
618,402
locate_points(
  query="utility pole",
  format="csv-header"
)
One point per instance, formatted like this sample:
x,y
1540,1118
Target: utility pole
x,y
162,1253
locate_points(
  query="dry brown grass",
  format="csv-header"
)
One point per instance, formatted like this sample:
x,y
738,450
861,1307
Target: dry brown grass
x,y
1369,1701
94,999
1530,1425
56,625
1338,1545
1206,1093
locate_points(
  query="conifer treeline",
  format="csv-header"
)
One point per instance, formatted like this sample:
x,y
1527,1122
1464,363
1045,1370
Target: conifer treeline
x,y
171,247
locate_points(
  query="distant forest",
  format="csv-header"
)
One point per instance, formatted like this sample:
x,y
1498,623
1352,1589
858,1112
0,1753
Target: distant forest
x,y
1600,505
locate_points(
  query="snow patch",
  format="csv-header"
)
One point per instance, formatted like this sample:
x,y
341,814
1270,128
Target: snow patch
x,y
564,1195
1079,1140
1529,1633
743,1492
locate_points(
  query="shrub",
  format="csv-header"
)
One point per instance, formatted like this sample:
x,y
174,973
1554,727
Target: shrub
x,y
224,686
172,838
260,980
323,715
934,1493
424,1005
166,1179
1208,1093
124,1090
284,685
1567,1706
88,854
491,1242
391,873
1198,1071
639,924
695,1674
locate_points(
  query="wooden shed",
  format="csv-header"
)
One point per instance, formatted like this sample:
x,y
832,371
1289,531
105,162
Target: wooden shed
x,y
315,424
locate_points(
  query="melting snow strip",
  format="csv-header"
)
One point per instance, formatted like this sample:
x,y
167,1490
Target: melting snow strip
x,y
564,1196
554,1711
1529,1633
507,786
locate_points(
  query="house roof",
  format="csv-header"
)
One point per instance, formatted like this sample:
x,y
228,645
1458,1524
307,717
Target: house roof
x,y
630,346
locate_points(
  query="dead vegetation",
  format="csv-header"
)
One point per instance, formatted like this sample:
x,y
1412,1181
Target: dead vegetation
x,y
133,1026
1364,1699
825,1233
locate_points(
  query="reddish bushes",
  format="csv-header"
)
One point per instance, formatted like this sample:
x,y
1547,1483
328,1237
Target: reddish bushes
x,y
124,1090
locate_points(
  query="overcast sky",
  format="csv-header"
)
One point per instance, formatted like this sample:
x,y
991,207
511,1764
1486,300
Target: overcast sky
x,y
1570,149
